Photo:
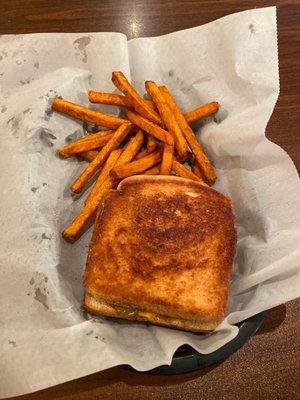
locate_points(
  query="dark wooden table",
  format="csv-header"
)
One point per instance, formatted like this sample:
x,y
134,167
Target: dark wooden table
x,y
265,368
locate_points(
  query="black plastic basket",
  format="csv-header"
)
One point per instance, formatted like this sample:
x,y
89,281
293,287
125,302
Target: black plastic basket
x,y
187,359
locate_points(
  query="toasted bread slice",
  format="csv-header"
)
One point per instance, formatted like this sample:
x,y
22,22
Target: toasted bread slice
x,y
162,251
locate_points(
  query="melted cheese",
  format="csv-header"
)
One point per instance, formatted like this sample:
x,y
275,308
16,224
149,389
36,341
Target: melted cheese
x,y
146,314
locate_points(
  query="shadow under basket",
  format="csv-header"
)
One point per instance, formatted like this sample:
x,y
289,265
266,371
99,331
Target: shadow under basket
x,y
187,359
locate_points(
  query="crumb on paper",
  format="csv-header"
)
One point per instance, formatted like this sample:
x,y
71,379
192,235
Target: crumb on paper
x,y
102,339
20,62
26,81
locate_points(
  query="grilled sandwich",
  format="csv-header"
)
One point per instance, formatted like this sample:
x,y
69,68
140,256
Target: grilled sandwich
x,y
162,252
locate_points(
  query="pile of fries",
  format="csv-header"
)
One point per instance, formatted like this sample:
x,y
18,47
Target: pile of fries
x,y
154,139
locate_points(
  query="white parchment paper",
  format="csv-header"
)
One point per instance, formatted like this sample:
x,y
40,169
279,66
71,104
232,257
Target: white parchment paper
x,y
46,337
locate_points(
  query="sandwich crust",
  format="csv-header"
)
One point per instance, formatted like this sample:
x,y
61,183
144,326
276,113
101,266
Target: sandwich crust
x,y
162,251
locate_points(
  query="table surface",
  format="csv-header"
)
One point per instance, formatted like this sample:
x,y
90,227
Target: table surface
x,y
265,367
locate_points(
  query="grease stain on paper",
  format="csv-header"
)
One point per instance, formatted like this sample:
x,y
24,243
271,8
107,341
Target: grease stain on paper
x,y
90,128
182,85
44,236
84,313
41,298
205,78
73,136
51,94
14,124
39,291
251,28
45,135
220,116
48,113
80,44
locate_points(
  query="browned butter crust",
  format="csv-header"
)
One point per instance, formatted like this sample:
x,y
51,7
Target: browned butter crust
x,y
162,251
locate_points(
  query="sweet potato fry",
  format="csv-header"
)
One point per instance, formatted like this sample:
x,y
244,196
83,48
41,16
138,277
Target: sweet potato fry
x,y
131,149
89,142
108,98
112,144
107,167
181,170
167,160
151,143
201,112
197,170
195,146
112,99
88,155
150,127
85,114
152,171
137,102
74,230
136,166
87,213
118,100
142,154
150,104
168,119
